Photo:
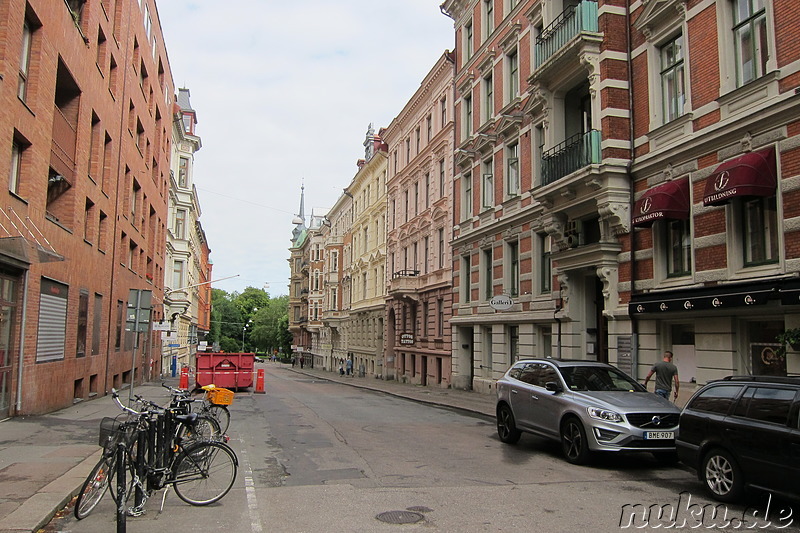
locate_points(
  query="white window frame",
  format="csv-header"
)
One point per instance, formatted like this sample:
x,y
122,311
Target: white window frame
x,y
488,97
512,75
513,186
466,196
487,183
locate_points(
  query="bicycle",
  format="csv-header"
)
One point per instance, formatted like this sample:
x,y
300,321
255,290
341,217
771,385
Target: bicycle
x,y
157,455
214,403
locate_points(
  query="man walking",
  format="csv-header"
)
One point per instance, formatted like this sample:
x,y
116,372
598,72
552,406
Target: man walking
x,y
666,372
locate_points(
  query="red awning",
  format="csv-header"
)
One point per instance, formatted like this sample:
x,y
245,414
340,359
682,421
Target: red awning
x,y
752,174
668,200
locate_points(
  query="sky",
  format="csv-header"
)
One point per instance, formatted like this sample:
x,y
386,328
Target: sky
x,y
284,93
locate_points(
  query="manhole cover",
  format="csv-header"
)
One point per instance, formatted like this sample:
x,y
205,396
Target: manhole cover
x,y
400,517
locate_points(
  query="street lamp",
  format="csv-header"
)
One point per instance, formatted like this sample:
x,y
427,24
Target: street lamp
x,y
244,328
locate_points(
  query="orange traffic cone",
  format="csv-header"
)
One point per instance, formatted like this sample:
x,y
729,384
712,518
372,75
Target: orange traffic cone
x,y
260,382
184,382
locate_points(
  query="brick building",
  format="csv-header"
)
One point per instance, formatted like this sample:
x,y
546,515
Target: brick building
x,y
87,96
542,194
419,192
716,118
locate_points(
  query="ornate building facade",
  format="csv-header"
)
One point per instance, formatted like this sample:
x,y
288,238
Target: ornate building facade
x,y
419,192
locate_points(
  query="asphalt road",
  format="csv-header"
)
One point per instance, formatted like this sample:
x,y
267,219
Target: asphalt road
x,y
321,456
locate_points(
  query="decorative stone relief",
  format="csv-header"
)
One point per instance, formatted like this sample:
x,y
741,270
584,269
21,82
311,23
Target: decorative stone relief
x,y
617,215
609,277
563,282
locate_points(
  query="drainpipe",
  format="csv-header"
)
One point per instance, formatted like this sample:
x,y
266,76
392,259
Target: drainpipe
x,y
631,235
22,340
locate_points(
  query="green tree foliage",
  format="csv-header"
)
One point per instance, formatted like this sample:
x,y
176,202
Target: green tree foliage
x,y
267,317
270,330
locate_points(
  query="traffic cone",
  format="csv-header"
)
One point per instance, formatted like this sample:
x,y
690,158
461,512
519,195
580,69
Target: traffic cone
x,y
260,382
184,381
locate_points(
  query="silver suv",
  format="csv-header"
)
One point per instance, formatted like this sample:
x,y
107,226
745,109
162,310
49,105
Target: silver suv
x,y
585,405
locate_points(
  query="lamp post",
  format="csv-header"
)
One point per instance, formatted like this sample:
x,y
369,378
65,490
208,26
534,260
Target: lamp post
x,y
244,328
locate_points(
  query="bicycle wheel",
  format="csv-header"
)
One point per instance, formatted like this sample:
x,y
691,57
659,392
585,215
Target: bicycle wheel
x,y
94,487
204,473
221,414
205,428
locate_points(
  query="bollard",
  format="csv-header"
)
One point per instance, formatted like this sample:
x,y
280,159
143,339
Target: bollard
x,y
260,382
184,382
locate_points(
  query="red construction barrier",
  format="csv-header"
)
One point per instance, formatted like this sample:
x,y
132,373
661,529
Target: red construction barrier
x,y
228,370
260,381
184,381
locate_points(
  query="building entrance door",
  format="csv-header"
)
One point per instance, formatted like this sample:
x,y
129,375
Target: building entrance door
x,y
8,292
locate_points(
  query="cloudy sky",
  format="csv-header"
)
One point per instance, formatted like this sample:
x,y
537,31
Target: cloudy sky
x,y
284,92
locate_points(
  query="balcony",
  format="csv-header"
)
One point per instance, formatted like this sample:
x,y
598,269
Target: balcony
x,y
404,284
577,152
63,147
573,32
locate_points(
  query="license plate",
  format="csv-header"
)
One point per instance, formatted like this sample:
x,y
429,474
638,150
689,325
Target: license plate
x,y
659,435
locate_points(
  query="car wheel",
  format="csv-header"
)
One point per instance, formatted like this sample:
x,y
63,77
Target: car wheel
x,y
722,476
506,428
574,443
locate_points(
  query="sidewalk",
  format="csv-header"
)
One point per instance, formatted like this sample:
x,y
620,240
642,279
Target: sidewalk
x,y
479,404
44,460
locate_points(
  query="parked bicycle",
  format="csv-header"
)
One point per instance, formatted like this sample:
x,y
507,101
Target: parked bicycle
x,y
156,454
214,403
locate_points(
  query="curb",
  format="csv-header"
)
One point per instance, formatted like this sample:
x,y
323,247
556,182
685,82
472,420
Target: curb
x,y
38,510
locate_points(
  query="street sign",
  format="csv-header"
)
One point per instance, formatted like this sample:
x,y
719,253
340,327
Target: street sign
x,y
176,345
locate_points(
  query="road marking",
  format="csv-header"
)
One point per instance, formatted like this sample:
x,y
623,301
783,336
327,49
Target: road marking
x,y
250,490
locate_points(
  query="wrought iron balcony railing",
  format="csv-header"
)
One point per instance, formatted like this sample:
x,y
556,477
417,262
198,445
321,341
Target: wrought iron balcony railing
x,y
578,151
571,22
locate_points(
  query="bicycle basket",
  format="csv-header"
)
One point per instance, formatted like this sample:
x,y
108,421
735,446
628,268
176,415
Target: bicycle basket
x,y
109,429
220,396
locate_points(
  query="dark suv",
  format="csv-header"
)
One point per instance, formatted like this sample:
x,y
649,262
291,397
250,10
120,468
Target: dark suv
x,y
743,431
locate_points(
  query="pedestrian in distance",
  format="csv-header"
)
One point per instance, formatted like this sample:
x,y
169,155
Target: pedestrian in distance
x,y
666,373
349,367
301,361
293,361
341,368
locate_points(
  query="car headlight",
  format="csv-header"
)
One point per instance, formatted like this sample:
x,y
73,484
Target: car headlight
x,y
604,414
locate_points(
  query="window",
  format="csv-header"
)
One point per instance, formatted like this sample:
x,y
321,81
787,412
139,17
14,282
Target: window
x,y
440,318
488,97
88,220
512,170
512,264
488,289
760,221
118,339
83,321
96,323
416,198
426,254
750,40
101,231
24,60
512,65
467,200
716,399
17,149
135,191
427,190
51,336
443,110
183,172
467,116
512,334
487,185
488,17
441,178
465,279
545,243
177,275
408,150
441,247
429,127
672,84
678,248
468,44
766,404
418,139
424,322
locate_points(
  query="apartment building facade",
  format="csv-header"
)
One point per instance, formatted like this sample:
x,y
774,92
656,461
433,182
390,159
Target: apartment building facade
x,y
716,118
419,191
336,236
542,202
366,272
87,93
184,250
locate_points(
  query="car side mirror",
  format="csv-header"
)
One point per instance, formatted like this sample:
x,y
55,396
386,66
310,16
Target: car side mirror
x,y
552,386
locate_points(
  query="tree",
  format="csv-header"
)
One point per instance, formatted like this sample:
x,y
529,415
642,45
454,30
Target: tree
x,y
269,328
